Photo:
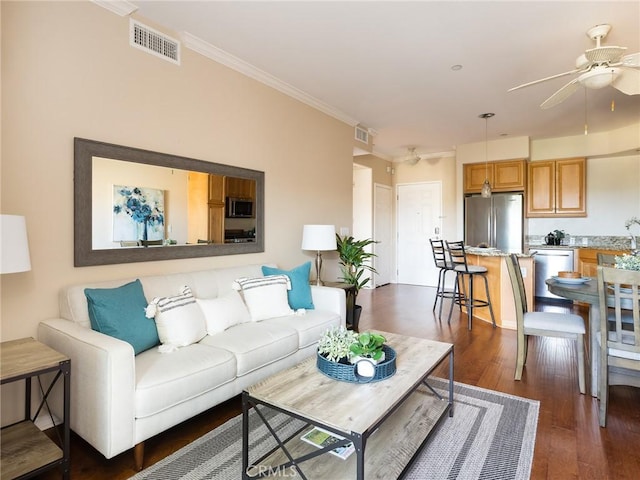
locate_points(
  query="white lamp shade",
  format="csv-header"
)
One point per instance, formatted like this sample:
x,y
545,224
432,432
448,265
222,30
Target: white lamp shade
x,y
14,246
319,237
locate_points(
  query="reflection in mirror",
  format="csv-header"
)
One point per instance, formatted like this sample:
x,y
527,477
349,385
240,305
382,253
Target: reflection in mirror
x,y
142,206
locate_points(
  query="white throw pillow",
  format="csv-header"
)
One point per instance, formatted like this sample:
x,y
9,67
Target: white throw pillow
x,y
266,297
179,320
223,312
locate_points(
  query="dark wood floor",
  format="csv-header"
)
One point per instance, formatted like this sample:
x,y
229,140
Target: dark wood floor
x,y
569,442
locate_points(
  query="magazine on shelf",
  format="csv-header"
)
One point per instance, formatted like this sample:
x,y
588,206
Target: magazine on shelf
x,y
320,438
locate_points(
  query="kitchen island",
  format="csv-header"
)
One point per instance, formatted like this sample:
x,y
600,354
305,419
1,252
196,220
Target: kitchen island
x,y
504,309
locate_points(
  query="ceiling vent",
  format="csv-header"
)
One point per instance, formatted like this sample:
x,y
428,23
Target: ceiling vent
x,y
362,135
154,42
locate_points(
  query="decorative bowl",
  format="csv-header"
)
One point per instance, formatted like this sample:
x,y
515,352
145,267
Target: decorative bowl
x,y
347,372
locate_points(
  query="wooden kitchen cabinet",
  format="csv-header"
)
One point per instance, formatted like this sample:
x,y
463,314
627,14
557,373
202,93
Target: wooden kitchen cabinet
x,y
504,176
240,187
588,260
474,176
215,230
557,188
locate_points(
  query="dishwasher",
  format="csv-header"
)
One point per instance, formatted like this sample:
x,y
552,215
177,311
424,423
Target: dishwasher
x,y
548,262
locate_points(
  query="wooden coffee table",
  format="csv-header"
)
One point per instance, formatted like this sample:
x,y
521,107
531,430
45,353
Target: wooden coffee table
x,y
389,420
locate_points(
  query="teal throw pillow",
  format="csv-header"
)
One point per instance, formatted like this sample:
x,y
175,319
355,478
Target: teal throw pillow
x,y
300,294
120,313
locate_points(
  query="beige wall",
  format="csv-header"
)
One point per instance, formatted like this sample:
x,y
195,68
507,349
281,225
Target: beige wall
x,y
68,70
378,168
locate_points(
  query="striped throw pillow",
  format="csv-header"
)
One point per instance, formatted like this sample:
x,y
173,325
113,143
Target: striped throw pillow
x,y
265,297
179,319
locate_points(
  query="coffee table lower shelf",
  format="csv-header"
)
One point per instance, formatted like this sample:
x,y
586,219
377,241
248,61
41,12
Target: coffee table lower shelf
x,y
388,452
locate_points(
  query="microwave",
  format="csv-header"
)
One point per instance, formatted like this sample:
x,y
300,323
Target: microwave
x,y
239,208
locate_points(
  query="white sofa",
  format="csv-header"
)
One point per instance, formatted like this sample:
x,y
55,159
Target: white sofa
x,y
119,400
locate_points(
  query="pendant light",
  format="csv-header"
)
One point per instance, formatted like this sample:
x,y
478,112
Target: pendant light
x,y
485,192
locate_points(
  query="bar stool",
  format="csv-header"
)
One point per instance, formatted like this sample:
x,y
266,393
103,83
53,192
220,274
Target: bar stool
x,y
464,271
444,265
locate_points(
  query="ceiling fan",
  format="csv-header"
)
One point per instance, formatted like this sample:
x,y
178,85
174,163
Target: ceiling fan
x,y
413,157
597,68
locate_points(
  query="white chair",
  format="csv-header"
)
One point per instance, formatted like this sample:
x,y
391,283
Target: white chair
x,y
619,297
542,324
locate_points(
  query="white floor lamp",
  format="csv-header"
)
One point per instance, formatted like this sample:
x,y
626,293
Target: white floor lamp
x,y
321,238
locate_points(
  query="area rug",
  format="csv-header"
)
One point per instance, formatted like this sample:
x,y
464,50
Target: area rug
x,y
490,436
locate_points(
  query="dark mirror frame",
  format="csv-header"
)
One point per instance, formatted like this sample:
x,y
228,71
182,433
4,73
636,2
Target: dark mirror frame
x,y
85,255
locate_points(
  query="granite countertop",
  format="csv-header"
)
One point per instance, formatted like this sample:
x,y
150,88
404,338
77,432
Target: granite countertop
x,y
491,252
574,247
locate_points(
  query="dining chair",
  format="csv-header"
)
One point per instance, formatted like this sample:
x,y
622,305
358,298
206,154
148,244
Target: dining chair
x,y
147,243
619,337
464,272
443,265
129,243
542,324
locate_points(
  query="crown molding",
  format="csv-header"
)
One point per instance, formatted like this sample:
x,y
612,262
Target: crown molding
x,y
218,55
119,7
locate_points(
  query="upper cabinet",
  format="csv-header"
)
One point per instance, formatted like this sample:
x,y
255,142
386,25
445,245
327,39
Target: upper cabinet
x,y
557,188
504,176
240,188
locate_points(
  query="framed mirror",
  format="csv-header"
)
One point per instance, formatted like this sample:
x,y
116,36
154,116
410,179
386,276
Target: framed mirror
x,y
134,205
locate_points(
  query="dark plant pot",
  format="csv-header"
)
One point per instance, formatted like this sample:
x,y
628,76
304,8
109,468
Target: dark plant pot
x,y
357,310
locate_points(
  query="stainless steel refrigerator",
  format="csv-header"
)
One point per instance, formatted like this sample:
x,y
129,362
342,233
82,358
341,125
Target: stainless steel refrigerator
x,y
497,221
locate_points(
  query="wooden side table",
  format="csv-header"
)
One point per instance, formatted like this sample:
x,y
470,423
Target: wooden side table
x,y
27,451
350,292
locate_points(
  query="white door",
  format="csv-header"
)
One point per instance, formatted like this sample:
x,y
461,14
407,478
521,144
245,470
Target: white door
x,y
382,233
419,218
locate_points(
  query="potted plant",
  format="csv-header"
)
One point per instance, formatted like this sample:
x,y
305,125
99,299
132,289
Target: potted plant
x,y
354,262
368,345
335,344
366,352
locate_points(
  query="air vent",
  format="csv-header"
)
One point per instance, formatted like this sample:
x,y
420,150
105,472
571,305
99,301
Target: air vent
x,y
362,135
154,42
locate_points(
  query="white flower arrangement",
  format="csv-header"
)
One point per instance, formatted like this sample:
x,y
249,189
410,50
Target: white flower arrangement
x,y
628,262
631,221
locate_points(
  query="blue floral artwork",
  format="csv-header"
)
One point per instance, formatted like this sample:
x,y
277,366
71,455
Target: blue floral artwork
x,y
138,213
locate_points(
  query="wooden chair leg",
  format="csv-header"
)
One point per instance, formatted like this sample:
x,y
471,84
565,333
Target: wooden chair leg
x,y
138,455
521,355
581,374
603,389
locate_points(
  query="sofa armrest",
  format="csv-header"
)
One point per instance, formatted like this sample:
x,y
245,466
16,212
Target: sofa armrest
x,y
102,384
330,299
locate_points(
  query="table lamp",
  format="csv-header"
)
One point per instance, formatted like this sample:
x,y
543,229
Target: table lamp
x,y
319,238
14,246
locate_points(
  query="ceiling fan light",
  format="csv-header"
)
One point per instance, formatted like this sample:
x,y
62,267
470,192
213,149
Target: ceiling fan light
x,y
599,77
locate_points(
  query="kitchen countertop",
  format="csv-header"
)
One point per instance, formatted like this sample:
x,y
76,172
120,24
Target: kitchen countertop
x,y
573,247
491,252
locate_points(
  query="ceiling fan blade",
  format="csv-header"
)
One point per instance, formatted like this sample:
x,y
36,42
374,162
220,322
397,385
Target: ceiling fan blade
x,y
604,54
631,60
561,95
545,79
628,82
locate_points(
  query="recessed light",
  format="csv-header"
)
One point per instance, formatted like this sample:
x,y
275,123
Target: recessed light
x,y
455,68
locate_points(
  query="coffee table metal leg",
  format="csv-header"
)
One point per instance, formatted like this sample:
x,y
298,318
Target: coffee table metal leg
x,y
245,436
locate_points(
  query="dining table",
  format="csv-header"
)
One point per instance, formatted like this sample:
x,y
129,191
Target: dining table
x,y
587,292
